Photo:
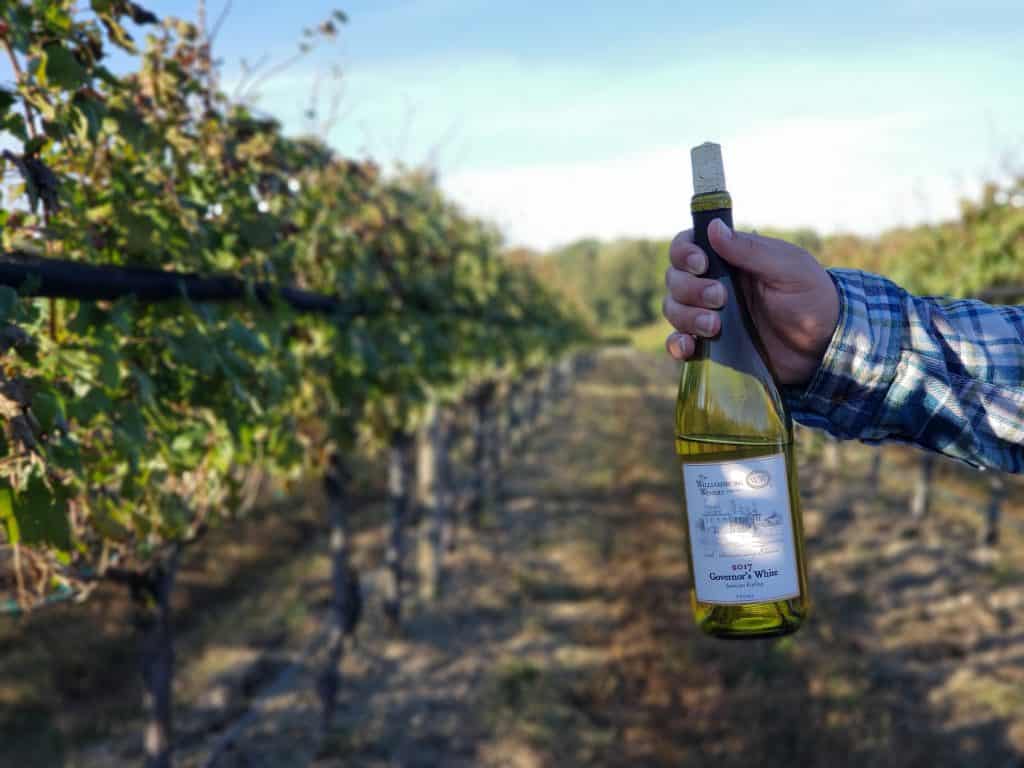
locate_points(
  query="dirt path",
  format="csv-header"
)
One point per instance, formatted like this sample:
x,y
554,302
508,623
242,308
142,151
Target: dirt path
x,y
564,638
513,665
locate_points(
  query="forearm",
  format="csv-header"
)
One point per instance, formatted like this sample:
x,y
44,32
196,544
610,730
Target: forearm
x,y
948,376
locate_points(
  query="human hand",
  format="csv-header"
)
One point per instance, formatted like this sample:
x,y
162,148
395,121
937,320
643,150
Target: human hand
x,y
792,301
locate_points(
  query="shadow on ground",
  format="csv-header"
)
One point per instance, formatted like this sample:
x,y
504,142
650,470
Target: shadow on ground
x,y
564,637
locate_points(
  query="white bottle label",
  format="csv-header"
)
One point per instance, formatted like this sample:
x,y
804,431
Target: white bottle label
x,y
741,531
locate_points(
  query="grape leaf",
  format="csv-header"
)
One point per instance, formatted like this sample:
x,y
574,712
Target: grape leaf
x,y
48,408
42,516
62,69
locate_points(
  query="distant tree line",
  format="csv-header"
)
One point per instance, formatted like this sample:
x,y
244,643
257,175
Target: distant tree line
x,y
620,284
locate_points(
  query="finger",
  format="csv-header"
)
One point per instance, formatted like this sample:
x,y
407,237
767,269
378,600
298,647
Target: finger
x,y
765,257
696,291
680,345
685,255
695,320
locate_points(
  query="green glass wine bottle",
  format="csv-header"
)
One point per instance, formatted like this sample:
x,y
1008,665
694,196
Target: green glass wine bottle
x,y
734,438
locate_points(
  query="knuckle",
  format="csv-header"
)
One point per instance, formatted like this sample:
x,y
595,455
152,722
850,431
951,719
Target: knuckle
x,y
680,245
682,238
682,287
673,312
681,257
679,315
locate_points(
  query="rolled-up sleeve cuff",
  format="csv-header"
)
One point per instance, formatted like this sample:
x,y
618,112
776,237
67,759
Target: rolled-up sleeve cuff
x,y
847,393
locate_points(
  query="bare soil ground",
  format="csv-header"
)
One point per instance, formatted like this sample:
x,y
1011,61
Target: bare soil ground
x,y
563,636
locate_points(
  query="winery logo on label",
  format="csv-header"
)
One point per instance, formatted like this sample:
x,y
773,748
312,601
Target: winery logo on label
x,y
758,479
717,487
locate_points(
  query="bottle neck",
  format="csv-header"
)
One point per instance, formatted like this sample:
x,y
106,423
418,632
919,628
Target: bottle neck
x,y
738,344
707,208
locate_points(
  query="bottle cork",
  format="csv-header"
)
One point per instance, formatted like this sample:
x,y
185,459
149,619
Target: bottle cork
x,y
708,171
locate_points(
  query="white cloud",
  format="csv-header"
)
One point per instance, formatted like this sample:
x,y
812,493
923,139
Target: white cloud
x,y
860,175
556,151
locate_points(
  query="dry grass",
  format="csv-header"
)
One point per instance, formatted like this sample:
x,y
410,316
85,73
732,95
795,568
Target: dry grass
x,y
650,338
565,638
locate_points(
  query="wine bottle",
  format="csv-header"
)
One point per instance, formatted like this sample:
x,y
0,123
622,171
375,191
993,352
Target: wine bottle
x,y
734,438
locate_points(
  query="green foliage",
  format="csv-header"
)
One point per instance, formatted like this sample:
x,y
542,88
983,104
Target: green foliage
x,y
131,425
41,514
621,284
982,250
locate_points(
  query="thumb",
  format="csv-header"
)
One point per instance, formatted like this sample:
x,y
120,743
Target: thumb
x,y
765,257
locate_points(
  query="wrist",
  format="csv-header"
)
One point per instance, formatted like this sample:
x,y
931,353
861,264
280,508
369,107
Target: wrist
x,y
850,382
825,325
813,321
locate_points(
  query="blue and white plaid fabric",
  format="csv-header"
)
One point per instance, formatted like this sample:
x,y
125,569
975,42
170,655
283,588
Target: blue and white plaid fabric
x,y
943,374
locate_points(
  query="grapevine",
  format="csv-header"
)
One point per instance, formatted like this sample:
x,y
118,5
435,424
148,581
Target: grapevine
x,y
193,304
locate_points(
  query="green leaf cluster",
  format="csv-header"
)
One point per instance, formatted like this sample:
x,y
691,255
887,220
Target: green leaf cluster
x,y
130,426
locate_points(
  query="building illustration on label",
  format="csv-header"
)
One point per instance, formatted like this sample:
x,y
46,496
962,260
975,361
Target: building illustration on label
x,y
739,528
740,531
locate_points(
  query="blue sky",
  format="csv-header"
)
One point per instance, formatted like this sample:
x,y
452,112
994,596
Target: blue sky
x,y
564,118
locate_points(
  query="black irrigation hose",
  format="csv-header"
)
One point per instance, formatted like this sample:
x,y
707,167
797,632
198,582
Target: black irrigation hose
x,y
54,278
33,276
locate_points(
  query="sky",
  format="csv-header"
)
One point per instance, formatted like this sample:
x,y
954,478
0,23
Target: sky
x,y
560,120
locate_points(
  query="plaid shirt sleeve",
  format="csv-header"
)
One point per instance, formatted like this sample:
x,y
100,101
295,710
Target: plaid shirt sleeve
x,y
942,374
